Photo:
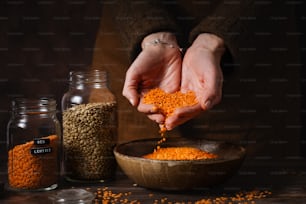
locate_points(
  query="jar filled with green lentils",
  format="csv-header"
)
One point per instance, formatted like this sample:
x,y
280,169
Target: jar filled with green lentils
x,y
89,111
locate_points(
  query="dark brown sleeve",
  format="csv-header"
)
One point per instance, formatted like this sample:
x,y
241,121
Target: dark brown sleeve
x,y
136,19
228,21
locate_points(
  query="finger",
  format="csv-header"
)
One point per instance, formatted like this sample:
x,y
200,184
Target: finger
x,y
212,95
130,88
211,101
131,95
182,115
158,118
147,108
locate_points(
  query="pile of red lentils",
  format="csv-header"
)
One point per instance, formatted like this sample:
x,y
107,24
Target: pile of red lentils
x,y
179,153
166,103
107,196
27,171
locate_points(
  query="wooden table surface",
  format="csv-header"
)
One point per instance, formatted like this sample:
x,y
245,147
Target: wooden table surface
x,y
284,179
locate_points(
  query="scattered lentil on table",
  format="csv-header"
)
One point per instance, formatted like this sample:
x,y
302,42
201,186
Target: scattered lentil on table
x,y
106,196
243,197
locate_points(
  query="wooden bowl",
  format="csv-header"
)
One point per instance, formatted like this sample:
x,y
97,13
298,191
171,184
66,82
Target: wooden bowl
x,y
182,174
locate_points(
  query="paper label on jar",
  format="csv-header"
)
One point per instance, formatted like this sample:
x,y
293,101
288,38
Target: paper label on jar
x,y
41,150
39,141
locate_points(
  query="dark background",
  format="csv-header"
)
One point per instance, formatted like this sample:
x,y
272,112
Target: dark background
x,y
301,23
41,41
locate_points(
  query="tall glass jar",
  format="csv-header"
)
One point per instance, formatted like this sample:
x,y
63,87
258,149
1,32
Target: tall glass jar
x,y
34,145
89,127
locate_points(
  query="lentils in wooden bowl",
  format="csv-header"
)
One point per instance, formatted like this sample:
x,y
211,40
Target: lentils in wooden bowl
x,y
179,174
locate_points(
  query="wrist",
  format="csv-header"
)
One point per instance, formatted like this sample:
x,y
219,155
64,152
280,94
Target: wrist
x,y
163,38
210,42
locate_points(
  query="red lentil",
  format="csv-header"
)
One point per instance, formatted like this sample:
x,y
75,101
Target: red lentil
x,y
106,196
27,171
166,103
179,153
248,197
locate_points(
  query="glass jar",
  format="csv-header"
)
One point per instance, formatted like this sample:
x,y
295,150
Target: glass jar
x,y
34,145
72,196
89,127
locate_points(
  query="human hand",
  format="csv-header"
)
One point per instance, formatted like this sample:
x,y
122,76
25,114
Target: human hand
x,y
201,73
157,66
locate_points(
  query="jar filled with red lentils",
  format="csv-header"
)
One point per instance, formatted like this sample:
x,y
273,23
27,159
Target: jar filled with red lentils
x,y
34,145
89,111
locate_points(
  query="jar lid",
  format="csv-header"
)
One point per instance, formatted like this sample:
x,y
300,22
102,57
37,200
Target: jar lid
x,y
73,196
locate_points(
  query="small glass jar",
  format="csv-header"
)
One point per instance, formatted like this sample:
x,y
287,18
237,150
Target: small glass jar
x,y
72,196
34,145
89,127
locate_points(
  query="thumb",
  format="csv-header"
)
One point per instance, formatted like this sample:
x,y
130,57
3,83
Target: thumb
x,y
131,95
130,91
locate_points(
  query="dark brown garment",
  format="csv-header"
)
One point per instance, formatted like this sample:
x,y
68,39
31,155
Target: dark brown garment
x,y
186,19
261,97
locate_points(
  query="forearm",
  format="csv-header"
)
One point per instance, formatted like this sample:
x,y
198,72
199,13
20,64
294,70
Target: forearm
x,y
135,20
210,42
226,22
166,39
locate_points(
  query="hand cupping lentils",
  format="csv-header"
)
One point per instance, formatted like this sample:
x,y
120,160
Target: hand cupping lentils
x,y
89,140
